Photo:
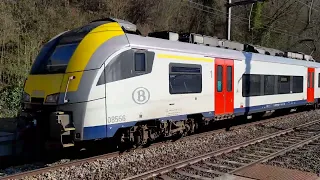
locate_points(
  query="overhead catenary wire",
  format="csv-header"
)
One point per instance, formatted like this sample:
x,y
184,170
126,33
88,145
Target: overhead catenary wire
x,y
277,30
268,17
218,10
272,18
318,6
299,1
280,31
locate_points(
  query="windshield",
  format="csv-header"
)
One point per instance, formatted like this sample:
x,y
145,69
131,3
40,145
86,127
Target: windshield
x,y
57,62
60,58
56,54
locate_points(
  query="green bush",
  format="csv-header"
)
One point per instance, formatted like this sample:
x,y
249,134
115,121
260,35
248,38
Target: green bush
x,y
10,98
25,25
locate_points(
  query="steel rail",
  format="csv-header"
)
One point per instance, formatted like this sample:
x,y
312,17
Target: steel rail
x,y
117,153
49,168
280,152
171,167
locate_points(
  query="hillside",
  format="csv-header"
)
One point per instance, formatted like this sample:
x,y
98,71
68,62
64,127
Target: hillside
x,y
25,25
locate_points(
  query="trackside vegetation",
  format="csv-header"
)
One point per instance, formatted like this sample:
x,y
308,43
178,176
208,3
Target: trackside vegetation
x,y
25,25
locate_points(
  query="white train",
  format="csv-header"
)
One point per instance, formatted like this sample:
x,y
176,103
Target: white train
x,y
105,80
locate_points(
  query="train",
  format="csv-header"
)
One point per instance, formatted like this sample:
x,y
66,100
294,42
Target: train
x,y
105,80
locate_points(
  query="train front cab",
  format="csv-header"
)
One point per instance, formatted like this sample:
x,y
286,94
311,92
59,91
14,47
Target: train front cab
x,y
60,91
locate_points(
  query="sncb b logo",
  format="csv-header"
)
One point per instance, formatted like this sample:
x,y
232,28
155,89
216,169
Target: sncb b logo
x,y
141,95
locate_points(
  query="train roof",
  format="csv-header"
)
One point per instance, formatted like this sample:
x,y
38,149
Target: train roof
x,y
208,46
139,41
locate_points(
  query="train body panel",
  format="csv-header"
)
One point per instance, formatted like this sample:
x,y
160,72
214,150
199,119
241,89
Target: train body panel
x,y
112,81
147,96
123,110
263,96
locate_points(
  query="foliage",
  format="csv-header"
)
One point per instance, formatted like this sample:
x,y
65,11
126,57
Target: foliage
x,y
25,25
10,98
257,21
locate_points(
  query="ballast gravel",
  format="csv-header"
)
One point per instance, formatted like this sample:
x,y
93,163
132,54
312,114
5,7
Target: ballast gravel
x,y
305,158
143,160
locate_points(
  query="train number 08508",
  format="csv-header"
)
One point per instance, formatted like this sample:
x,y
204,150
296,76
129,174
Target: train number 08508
x,y
115,119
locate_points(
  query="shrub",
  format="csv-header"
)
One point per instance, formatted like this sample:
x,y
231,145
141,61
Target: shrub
x,y
10,98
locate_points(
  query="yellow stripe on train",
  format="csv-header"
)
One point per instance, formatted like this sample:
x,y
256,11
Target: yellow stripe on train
x,y
86,49
184,58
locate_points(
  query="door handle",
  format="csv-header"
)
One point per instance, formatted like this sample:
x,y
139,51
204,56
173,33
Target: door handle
x,y
65,100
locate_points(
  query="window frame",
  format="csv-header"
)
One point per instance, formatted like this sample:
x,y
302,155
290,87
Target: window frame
x,y
229,79
221,90
293,80
59,48
291,84
171,65
312,79
244,84
318,80
135,63
274,91
287,81
308,80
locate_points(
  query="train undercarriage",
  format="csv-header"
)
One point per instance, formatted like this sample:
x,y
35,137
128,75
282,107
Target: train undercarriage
x,y
148,132
47,130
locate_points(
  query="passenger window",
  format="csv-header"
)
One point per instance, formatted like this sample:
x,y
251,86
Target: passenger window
x,y
269,84
185,78
297,86
140,62
308,79
219,78
284,85
251,85
312,80
229,78
319,80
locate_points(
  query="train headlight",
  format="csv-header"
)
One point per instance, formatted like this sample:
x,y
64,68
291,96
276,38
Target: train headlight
x,y
26,97
53,98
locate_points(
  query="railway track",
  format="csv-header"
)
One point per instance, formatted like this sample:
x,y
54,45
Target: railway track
x,y
117,153
235,158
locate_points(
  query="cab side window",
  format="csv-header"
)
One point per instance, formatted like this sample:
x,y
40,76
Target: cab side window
x,y
140,62
128,64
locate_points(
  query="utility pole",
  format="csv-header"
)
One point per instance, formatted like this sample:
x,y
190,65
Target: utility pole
x,y
228,14
228,20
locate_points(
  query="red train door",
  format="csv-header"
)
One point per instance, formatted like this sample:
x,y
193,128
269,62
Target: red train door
x,y
310,89
224,96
